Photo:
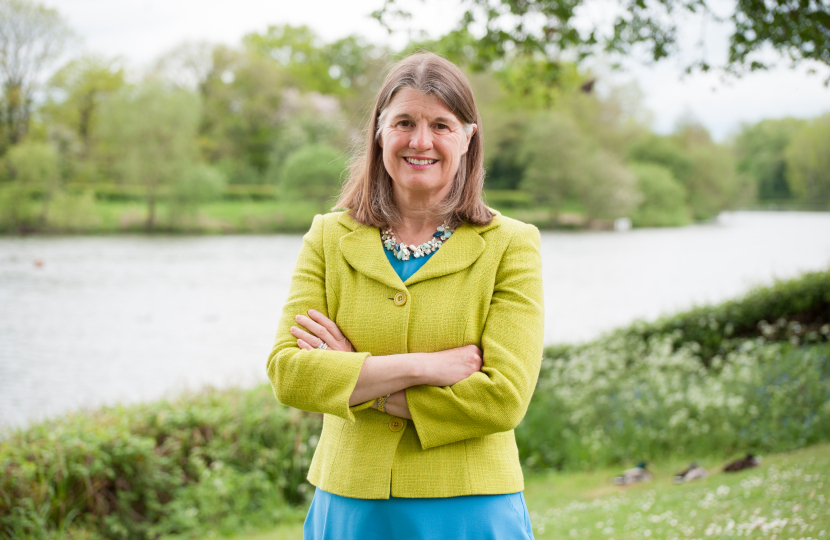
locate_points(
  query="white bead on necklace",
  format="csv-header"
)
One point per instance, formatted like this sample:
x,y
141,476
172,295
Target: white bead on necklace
x,y
402,251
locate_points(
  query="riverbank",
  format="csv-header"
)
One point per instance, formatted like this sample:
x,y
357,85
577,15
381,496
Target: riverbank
x,y
749,375
788,495
84,214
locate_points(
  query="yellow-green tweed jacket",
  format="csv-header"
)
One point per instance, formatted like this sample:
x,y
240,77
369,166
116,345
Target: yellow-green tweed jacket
x,y
483,287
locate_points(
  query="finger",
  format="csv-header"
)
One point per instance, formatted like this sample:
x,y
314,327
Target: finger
x,y
304,345
315,328
305,336
329,324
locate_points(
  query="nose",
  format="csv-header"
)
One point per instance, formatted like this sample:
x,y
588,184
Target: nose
x,y
421,138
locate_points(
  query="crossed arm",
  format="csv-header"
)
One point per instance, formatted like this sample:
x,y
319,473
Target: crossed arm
x,y
393,374
450,395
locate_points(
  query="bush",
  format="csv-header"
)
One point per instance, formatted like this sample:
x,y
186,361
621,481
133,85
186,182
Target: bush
x,y
711,381
199,184
71,212
664,198
221,460
313,173
797,310
625,398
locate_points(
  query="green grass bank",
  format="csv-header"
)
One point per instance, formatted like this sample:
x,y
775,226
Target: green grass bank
x,y
111,209
787,496
749,375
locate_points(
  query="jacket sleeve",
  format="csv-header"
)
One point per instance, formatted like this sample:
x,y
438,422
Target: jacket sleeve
x,y
496,398
315,381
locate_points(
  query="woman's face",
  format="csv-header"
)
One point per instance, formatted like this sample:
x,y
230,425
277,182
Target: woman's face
x,y
422,143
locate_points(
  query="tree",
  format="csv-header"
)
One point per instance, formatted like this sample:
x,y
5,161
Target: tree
x,y
711,181
760,152
35,165
312,119
808,162
196,185
242,96
187,65
556,157
608,190
705,169
313,173
77,90
32,37
663,201
148,135
796,29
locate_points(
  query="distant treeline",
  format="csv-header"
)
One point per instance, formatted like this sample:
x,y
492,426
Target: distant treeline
x,y
276,118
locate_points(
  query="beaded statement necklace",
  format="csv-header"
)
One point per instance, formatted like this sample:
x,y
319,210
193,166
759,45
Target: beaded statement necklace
x,y
402,252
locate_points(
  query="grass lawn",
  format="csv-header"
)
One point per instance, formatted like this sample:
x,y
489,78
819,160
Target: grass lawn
x,y
787,496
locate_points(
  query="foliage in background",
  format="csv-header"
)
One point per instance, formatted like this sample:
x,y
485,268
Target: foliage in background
x,y
560,146
195,186
32,37
35,165
664,198
313,173
148,137
808,161
760,152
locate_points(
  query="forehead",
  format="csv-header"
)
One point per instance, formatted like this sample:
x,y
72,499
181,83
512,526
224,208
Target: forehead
x,y
412,103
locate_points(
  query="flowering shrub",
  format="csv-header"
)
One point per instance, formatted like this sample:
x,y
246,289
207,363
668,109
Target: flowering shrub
x,y
623,399
748,375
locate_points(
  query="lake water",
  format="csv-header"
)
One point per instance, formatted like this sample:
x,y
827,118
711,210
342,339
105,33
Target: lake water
x,y
91,320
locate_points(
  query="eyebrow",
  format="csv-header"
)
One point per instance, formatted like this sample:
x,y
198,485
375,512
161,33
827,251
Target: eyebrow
x,y
440,119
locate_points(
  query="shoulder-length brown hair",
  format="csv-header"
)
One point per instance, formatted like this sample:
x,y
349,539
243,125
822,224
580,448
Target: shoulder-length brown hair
x,y
368,190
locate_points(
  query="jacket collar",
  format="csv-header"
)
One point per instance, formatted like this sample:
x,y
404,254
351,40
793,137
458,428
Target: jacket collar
x,y
364,251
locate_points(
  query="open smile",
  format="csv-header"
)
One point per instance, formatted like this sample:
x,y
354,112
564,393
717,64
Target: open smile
x,y
420,162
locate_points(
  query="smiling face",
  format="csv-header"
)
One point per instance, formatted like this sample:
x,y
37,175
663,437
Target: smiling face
x,y
422,142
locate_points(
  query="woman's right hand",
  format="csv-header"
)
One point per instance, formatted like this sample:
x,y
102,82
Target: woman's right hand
x,y
445,368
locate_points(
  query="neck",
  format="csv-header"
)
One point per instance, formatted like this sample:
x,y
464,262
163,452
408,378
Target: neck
x,y
417,218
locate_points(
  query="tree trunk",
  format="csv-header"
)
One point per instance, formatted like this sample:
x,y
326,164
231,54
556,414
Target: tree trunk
x,y
151,210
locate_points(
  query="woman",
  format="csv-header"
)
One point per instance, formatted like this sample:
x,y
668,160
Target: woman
x,y
414,322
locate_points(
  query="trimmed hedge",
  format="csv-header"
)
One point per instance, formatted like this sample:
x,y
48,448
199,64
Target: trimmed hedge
x,y
796,310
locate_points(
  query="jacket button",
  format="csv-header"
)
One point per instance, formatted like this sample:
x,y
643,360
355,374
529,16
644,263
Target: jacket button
x,y
396,424
400,299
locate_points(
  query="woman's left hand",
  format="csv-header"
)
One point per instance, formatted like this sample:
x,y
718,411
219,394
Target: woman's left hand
x,y
322,329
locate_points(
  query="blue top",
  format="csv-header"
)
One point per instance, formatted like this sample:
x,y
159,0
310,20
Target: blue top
x,y
405,269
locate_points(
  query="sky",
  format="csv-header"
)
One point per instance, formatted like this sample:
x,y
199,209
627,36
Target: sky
x,y
141,30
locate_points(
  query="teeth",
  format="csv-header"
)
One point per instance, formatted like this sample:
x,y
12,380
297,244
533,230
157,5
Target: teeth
x,y
421,161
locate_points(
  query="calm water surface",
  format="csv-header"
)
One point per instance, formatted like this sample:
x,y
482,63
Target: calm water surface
x,y
108,319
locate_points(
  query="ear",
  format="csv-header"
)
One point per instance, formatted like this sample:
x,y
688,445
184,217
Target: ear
x,y
469,137
380,139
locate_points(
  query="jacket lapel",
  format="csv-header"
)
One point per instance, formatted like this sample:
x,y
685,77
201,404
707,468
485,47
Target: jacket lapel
x,y
363,250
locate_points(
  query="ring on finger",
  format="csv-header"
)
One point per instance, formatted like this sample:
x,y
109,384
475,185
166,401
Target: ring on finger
x,y
322,346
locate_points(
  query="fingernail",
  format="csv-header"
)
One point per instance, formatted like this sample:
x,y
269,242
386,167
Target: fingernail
x,y
310,311
297,318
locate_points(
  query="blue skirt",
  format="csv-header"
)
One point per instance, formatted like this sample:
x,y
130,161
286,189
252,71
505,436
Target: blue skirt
x,y
479,517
